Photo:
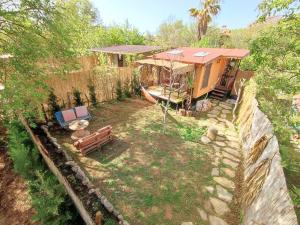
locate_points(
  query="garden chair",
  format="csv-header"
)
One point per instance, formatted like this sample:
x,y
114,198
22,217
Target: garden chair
x,y
64,118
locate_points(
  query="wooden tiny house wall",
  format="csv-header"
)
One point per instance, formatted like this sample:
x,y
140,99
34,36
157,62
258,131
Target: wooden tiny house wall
x,y
216,69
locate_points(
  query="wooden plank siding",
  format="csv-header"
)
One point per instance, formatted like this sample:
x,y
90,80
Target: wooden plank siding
x,y
217,68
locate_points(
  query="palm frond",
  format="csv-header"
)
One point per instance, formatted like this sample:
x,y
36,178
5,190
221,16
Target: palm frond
x,y
194,12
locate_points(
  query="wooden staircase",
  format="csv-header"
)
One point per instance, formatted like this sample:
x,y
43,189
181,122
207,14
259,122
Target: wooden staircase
x,y
219,93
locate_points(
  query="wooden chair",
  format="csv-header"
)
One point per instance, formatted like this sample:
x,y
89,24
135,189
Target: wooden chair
x,y
94,141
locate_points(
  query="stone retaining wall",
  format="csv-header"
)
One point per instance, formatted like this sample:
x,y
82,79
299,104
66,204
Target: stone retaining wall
x,y
265,197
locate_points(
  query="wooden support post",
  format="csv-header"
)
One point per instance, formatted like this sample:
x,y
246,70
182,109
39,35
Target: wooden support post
x,y
98,219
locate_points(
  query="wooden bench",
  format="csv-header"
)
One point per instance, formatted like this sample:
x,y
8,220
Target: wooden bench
x,y
94,140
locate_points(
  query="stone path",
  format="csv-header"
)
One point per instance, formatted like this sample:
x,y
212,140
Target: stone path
x,y
225,160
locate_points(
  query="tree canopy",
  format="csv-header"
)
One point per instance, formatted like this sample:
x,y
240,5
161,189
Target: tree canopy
x,y
204,15
44,37
174,33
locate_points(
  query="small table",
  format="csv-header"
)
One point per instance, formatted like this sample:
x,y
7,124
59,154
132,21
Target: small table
x,y
78,126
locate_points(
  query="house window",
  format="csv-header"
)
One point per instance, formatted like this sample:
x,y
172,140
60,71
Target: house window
x,y
206,76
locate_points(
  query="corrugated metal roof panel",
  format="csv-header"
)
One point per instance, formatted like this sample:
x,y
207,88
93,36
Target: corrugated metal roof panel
x,y
188,54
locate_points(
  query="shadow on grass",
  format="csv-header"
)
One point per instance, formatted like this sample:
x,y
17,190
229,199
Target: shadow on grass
x,y
109,151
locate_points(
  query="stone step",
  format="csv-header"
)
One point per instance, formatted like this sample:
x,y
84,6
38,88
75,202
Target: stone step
x,y
214,220
224,194
224,182
220,207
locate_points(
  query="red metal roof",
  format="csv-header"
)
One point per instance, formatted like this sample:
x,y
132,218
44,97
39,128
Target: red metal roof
x,y
187,55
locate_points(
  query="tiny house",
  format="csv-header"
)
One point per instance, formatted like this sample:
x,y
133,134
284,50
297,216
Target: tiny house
x,y
118,56
208,70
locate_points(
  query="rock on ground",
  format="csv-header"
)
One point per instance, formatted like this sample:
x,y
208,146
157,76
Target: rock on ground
x,y
224,182
224,194
216,221
202,214
205,140
220,207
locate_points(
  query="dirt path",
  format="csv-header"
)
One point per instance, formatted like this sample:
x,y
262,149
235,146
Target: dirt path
x,y
15,207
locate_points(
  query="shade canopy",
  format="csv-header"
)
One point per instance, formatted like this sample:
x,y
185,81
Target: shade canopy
x,y
177,67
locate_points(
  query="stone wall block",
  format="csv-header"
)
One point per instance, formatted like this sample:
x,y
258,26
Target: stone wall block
x,y
272,204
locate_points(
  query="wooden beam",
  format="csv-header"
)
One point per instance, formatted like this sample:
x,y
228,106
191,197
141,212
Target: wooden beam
x,y
62,180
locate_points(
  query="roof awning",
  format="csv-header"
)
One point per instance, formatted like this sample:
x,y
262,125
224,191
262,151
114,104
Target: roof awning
x,y
178,68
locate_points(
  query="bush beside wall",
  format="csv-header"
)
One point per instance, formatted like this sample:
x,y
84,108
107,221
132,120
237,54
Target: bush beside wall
x,y
52,204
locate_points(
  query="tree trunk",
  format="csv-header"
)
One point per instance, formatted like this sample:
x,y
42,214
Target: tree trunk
x,y
199,35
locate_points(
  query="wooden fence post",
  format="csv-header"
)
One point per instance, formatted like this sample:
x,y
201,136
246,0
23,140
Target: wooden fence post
x,y
98,220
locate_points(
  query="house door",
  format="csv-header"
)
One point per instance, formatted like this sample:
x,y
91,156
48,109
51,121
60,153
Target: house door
x,y
205,79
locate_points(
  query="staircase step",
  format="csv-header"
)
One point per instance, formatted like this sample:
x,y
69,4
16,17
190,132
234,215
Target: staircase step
x,y
220,90
218,94
216,97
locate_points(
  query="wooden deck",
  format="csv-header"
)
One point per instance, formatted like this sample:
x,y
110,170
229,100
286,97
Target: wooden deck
x,y
158,92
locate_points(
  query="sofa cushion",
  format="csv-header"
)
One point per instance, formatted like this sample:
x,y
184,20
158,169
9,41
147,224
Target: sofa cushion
x,y
69,115
81,111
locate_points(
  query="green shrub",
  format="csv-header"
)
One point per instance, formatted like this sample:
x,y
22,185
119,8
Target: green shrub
x,y
92,93
48,199
77,97
127,92
22,152
110,222
191,134
135,83
52,204
52,102
119,91
295,195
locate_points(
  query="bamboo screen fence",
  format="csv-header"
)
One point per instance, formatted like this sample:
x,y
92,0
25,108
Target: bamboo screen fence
x,y
103,78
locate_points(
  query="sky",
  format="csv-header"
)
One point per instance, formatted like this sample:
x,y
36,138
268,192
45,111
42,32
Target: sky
x,y
147,15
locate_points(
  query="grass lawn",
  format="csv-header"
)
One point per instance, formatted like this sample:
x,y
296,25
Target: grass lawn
x,y
152,177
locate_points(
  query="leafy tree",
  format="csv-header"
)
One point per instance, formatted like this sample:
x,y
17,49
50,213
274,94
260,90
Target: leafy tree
x,y
174,34
286,8
210,8
212,39
275,57
117,35
34,33
80,22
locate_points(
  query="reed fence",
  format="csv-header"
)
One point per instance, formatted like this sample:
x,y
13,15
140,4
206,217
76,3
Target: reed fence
x,y
104,79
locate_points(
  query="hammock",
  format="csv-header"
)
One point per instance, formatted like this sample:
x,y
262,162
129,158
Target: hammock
x,y
147,96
